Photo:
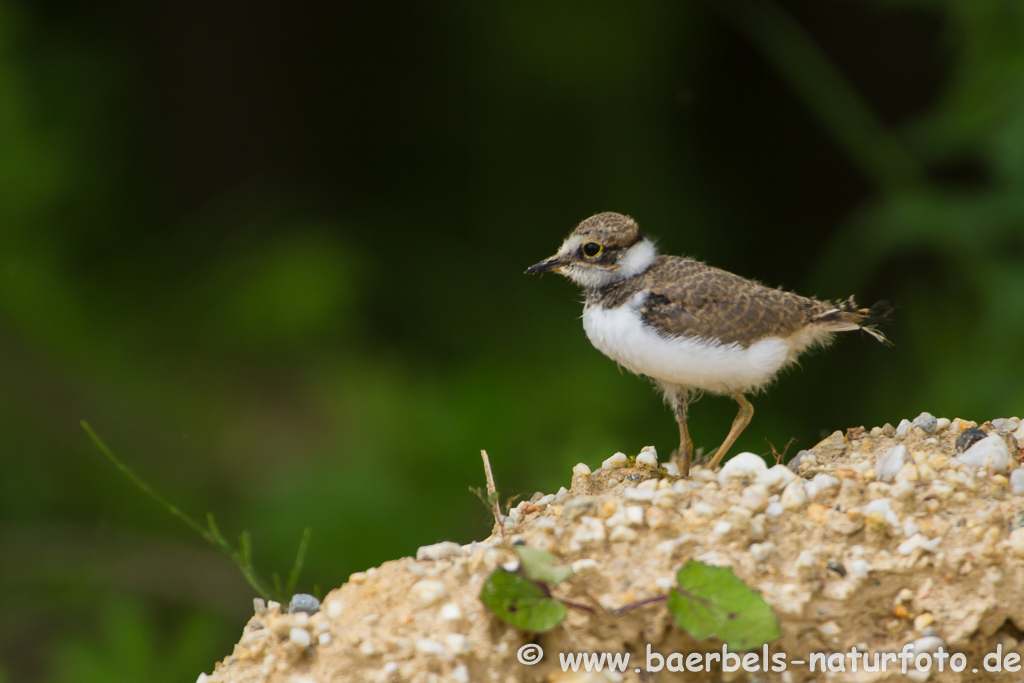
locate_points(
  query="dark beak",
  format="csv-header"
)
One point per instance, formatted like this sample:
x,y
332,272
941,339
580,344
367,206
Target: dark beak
x,y
545,266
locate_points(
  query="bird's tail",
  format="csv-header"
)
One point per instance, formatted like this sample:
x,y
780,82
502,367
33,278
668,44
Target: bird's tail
x,y
847,316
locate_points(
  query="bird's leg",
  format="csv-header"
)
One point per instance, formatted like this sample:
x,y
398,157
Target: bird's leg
x,y
685,452
738,425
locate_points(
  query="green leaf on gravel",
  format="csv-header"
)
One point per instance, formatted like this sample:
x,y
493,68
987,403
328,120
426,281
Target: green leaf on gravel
x,y
713,602
539,565
520,602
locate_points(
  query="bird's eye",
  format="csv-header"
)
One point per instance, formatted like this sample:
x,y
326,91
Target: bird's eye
x,y
592,249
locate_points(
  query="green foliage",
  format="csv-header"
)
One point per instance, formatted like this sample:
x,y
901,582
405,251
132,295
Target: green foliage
x,y
242,556
711,602
519,601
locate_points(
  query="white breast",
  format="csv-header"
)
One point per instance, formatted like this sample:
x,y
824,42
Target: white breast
x,y
709,365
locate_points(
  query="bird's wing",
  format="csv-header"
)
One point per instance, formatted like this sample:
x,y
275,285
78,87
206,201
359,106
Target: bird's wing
x,y
688,298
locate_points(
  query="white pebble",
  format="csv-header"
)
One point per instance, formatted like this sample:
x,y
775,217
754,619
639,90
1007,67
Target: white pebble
x,y
822,484
581,470
744,466
334,609
941,424
1017,482
754,498
451,612
721,528
1017,542
889,465
902,490
762,551
775,478
910,527
438,551
774,509
622,533
300,637
648,457
427,646
458,644
460,674
989,454
583,565
672,468
918,541
203,678
634,515
858,569
806,558
902,427
324,638
638,495
616,461
927,644
428,592
794,496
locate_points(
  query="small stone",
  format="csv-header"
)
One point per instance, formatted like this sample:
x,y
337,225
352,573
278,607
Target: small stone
x,y
822,484
324,639
926,422
300,637
623,534
762,551
889,465
460,674
875,432
990,454
428,592
829,628
902,490
754,498
918,541
259,605
656,517
858,569
581,470
616,461
888,430
1017,542
968,438
902,427
334,609
451,612
458,644
648,457
775,478
928,644
427,646
639,495
941,425
273,605
303,602
794,496
923,621
1017,482
357,577
583,565
672,468
774,509
744,467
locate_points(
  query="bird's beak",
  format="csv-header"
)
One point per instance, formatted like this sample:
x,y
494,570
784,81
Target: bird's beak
x,y
546,266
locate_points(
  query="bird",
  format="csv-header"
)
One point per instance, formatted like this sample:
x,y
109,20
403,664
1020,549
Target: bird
x,y
690,327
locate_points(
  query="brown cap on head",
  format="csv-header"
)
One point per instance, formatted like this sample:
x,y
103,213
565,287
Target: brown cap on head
x,y
610,229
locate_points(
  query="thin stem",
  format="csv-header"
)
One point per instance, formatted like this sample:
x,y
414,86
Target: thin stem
x,y
641,603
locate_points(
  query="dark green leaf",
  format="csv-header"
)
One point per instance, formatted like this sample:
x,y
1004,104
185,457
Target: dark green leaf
x,y
711,602
539,565
520,602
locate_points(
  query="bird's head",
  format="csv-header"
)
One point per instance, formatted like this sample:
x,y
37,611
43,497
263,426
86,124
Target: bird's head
x,y
602,250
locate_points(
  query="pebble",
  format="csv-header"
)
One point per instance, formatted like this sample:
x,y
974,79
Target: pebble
x,y
762,551
581,470
622,533
300,637
858,569
438,551
334,609
794,496
889,465
928,644
918,541
754,498
672,468
460,674
1017,542
324,638
926,422
616,461
821,484
428,592
968,438
942,424
882,506
426,646
648,457
775,478
744,466
639,495
451,612
1017,482
774,509
458,644
989,453
902,427
1006,424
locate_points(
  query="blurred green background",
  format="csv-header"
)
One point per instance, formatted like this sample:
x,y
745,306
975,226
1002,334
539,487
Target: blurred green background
x,y
274,254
